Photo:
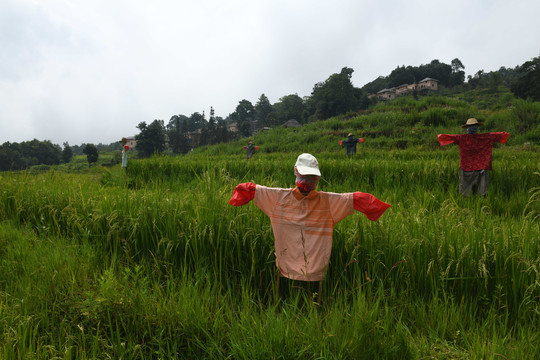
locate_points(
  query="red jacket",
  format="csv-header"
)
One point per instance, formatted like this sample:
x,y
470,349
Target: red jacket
x,y
474,149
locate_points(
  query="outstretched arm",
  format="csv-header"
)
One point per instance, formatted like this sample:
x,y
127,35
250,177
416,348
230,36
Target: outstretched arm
x,y
243,194
445,139
369,205
503,136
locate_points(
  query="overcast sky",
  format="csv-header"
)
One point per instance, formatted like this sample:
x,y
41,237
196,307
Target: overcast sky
x,y
89,71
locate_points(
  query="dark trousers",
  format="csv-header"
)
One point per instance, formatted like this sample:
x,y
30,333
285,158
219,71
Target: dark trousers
x,y
286,288
473,181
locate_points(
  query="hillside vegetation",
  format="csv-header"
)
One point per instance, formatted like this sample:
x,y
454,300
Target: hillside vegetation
x,y
406,122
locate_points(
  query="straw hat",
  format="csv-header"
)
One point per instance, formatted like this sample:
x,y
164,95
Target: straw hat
x,y
350,134
472,121
306,164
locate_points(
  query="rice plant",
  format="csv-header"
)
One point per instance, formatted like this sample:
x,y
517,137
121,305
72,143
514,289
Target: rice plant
x,y
152,262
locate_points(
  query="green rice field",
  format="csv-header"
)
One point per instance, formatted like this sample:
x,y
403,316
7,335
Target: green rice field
x,y
152,262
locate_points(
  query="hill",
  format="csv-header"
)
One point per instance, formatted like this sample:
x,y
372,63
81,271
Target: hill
x,y
405,122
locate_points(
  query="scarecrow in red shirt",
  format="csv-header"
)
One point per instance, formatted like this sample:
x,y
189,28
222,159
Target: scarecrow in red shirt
x,y
303,219
475,156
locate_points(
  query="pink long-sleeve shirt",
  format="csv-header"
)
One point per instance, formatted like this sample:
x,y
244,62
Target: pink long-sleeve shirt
x,y
303,226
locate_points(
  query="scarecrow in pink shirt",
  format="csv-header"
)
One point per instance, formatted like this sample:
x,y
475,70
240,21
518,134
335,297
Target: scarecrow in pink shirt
x,y
303,219
475,156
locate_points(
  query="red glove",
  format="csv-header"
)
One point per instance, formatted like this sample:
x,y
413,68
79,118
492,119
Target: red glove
x,y
340,142
369,205
243,193
256,148
361,140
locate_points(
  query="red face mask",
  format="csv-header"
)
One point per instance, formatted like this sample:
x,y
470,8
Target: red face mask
x,y
306,183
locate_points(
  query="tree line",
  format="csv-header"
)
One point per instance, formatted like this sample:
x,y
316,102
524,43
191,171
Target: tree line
x,y
20,156
334,96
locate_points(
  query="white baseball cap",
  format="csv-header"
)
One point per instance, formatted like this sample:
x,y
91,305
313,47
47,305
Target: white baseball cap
x,y
306,164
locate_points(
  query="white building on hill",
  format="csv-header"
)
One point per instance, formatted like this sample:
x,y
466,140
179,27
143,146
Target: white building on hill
x,y
425,85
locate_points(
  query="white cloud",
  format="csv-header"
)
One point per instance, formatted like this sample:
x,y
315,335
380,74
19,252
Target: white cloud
x,y
90,71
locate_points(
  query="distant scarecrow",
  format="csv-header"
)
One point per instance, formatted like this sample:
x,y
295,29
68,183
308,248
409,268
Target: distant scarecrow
x,y
125,149
250,150
475,152
124,156
350,144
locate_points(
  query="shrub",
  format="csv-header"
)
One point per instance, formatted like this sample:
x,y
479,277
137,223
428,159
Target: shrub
x,y
434,117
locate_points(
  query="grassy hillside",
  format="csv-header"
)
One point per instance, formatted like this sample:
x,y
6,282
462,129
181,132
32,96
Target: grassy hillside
x,y
405,123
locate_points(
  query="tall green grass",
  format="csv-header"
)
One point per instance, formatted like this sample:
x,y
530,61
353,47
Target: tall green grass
x,y
63,301
176,209
152,262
